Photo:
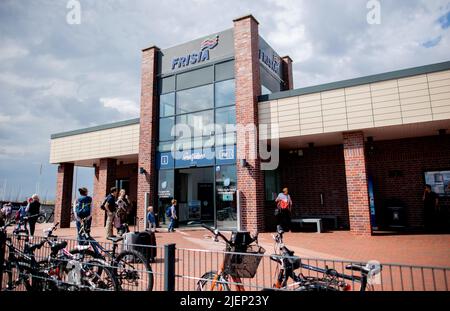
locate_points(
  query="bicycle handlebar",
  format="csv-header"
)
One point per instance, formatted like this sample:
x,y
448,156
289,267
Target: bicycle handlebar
x,y
217,233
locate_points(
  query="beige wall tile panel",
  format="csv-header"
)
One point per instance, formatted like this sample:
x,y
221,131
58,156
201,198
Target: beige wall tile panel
x,y
435,76
358,126
412,80
414,87
442,109
287,108
332,93
357,89
310,120
415,100
333,106
310,109
287,101
413,94
385,98
288,117
423,118
418,112
311,131
423,105
309,98
440,96
389,116
360,119
439,83
366,107
334,111
385,110
439,90
284,124
337,128
314,103
381,105
388,122
441,116
340,122
334,117
383,85
352,97
333,100
439,103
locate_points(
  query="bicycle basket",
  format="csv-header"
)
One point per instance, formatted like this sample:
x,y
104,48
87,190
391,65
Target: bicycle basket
x,y
244,265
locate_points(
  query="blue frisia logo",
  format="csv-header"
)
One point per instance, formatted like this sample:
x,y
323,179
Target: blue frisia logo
x,y
196,57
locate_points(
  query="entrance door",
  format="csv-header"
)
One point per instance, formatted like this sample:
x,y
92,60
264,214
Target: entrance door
x,y
206,197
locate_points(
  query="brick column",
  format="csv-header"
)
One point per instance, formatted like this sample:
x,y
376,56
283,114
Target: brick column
x,y
63,199
357,184
104,179
250,180
287,73
148,130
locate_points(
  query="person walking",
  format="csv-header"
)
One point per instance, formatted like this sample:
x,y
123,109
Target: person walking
x,y
33,210
110,208
430,205
284,209
172,214
123,208
151,219
83,212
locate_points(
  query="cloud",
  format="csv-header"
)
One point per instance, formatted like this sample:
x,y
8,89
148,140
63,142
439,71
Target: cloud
x,y
57,77
121,105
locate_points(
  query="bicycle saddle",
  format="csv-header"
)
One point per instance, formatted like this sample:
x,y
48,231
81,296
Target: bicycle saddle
x,y
359,268
115,239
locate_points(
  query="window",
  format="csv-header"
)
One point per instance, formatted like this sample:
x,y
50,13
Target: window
x,y
167,105
199,98
200,123
271,184
225,71
195,78
165,147
225,93
228,139
165,128
225,116
265,91
167,85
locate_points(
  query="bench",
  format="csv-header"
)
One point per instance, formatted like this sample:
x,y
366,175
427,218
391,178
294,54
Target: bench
x,y
316,221
334,219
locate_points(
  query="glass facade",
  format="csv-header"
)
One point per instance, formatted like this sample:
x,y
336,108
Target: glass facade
x,y
195,153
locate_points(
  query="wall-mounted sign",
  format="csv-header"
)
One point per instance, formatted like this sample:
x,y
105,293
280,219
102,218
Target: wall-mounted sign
x,y
196,57
270,60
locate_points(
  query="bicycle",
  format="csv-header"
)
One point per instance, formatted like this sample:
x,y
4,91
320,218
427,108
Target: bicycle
x,y
241,260
331,280
59,272
130,267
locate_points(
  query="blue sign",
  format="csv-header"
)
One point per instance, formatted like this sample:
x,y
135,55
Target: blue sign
x,y
225,155
165,161
196,57
193,158
270,60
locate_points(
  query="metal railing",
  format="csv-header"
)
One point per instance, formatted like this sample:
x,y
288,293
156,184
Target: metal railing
x,y
183,269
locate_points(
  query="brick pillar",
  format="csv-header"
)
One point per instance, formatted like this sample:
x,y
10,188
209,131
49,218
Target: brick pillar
x,y
148,130
357,184
250,180
104,179
288,78
63,199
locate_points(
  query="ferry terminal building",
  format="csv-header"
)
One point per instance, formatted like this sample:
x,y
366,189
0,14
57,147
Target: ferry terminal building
x,y
357,151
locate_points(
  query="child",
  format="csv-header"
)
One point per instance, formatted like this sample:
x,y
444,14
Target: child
x,y
151,219
20,218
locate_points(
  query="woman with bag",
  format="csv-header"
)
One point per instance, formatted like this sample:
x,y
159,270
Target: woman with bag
x,y
284,208
123,207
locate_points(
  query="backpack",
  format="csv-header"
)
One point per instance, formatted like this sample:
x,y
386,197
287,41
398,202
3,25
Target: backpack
x,y
83,209
169,211
102,206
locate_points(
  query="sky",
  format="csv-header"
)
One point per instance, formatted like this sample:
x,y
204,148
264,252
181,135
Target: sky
x,y
56,76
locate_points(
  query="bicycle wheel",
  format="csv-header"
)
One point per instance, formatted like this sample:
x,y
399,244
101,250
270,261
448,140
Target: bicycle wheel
x,y
211,281
96,275
133,271
40,219
12,277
